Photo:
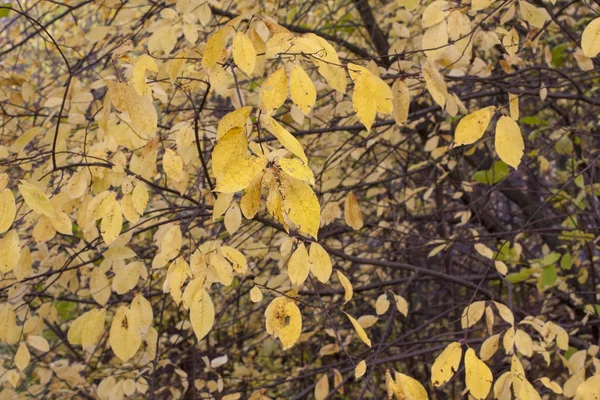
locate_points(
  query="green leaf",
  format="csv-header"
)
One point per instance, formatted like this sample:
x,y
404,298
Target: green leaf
x,y
566,262
492,175
533,121
550,259
549,275
4,11
558,56
520,276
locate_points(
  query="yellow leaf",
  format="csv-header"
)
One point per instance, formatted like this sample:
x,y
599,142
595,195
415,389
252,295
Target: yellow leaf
x,y
472,313
478,376
508,341
8,209
513,100
435,41
489,347
143,309
348,291
250,202
124,335
9,331
233,169
555,387
509,141
382,304
298,267
435,84
524,343
112,221
274,90
233,219
300,204
285,138
352,213
360,369
236,118
408,388
528,392
359,329
505,313
36,199
401,304
302,89
173,165
297,169
256,294
536,16
362,101
501,267
10,251
61,223
590,39
435,13
477,5
38,343
472,127
446,364
589,390
244,53
202,314
93,327
22,357
215,46
138,75
322,388
284,321
338,381
400,101
100,287
484,250
320,263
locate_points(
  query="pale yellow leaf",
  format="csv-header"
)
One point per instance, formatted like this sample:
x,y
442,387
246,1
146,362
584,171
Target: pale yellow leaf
x,y
124,336
472,127
435,13
382,304
409,388
215,46
244,53
435,84
298,265
8,209
10,251
590,39
173,165
112,222
359,330
233,219
38,343
61,223
484,250
320,262
555,387
505,313
362,101
256,294
589,390
435,41
524,343
489,347
22,357
250,202
478,376
446,364
472,314
36,199
93,327
509,141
